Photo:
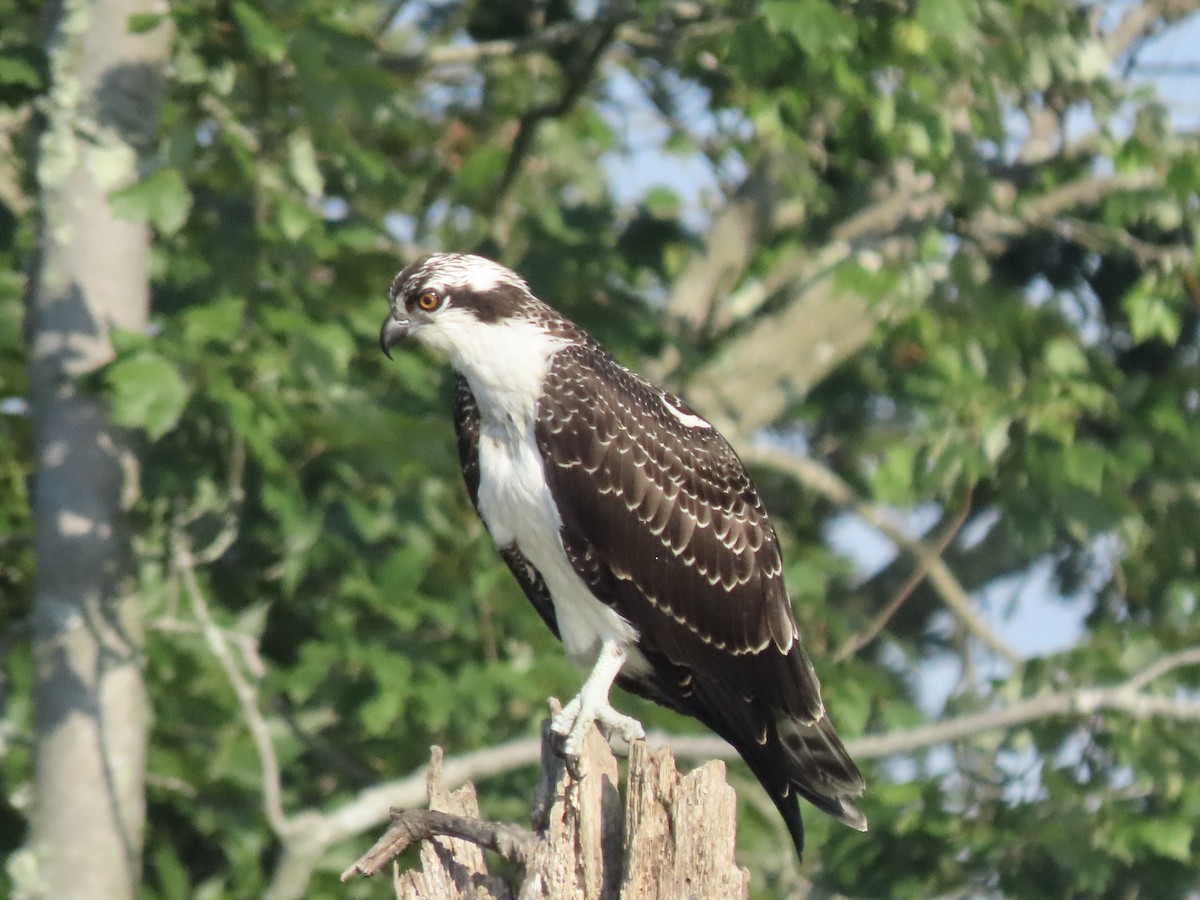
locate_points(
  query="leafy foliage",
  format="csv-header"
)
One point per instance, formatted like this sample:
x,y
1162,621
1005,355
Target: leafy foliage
x,y
1030,361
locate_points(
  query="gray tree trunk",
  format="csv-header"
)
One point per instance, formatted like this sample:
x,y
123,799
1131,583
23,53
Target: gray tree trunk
x,y
91,277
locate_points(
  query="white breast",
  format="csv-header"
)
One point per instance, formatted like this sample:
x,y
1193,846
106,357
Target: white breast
x,y
517,508
514,500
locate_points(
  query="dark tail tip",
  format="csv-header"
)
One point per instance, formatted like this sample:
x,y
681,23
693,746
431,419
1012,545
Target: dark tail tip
x,y
789,809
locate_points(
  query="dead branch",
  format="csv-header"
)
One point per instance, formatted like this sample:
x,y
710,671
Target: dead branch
x,y
859,640
672,837
313,833
825,482
590,46
272,791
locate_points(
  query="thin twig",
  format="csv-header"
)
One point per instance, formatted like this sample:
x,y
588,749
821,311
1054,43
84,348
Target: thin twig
x,y
857,641
817,477
1125,697
410,826
314,832
1164,665
675,22
260,732
592,44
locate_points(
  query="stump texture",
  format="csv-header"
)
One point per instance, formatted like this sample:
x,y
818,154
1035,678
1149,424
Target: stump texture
x,y
671,837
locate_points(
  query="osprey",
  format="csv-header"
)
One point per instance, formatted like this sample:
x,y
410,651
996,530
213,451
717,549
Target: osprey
x,y
633,528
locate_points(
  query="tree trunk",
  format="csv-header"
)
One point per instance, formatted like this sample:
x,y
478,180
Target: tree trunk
x,y
671,838
91,277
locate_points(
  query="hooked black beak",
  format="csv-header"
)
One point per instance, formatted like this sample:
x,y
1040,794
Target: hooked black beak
x,y
391,333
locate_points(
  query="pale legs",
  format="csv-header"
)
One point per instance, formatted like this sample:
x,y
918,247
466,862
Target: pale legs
x,y
591,705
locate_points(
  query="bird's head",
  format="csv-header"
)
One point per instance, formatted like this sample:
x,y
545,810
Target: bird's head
x,y
452,301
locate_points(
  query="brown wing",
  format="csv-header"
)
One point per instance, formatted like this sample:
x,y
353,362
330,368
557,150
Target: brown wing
x,y
660,518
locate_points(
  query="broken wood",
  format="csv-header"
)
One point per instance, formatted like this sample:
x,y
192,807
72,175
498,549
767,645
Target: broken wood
x,y
672,836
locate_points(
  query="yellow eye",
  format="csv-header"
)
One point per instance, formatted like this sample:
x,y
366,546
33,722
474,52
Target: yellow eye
x,y
429,301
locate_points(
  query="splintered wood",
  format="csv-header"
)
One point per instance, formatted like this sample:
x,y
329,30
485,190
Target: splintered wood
x,y
671,838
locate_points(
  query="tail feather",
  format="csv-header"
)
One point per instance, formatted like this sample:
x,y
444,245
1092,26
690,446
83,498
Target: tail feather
x,y
809,761
791,758
821,770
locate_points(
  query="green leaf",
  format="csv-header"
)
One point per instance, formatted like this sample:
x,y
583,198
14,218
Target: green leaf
x,y
18,72
950,18
218,320
482,170
261,36
996,439
1170,838
661,201
1151,315
294,218
1084,465
162,199
1063,357
891,482
817,26
147,393
302,162
141,23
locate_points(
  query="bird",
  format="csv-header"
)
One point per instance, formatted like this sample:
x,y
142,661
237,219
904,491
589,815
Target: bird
x,y
632,527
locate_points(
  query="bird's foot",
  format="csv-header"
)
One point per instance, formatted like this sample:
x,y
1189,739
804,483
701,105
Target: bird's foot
x,y
576,717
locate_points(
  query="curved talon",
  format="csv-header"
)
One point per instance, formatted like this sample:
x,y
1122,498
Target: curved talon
x,y
573,723
591,705
614,723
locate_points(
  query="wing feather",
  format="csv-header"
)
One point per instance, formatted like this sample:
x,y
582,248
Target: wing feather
x,y
663,523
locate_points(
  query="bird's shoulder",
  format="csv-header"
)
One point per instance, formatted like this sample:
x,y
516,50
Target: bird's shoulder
x,y
592,405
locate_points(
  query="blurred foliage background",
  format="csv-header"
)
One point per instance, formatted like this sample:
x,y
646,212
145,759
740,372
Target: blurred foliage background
x,y
930,264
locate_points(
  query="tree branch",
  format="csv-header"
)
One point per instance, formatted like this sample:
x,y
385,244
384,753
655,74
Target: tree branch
x,y
314,832
185,565
1163,666
1126,698
674,22
857,641
748,382
993,229
370,806
1142,19
592,42
817,477
410,826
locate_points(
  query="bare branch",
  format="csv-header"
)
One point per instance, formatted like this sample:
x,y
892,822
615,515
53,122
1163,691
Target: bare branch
x,y
857,641
561,34
591,45
370,806
260,733
993,229
1126,698
1141,20
314,832
1167,70
1088,191
825,482
1163,666
1106,238
734,234
410,826
676,21
227,508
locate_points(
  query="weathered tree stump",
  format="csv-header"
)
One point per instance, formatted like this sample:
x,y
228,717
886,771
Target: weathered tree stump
x,y
671,837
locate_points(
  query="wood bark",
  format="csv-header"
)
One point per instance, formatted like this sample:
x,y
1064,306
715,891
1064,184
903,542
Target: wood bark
x,y
671,837
90,277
